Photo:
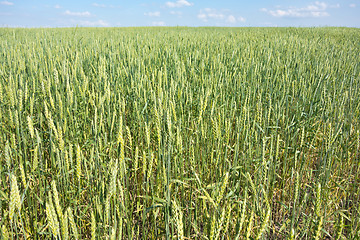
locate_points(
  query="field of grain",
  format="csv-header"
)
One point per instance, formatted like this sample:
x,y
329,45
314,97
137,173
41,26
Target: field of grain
x,y
180,133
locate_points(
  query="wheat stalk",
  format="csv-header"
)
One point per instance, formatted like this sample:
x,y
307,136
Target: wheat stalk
x,y
93,226
250,225
78,162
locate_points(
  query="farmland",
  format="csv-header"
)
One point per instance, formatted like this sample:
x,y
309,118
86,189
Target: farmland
x,y
180,133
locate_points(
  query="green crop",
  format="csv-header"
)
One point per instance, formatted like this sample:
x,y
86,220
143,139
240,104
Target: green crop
x,y
180,133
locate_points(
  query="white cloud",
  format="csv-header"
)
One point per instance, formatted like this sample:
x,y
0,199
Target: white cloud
x,y
352,5
178,4
202,16
6,3
99,23
213,14
152,14
159,23
98,5
78,14
231,19
178,13
101,5
241,19
57,6
209,13
317,9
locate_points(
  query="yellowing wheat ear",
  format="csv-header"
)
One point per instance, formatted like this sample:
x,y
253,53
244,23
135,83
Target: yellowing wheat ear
x,y
112,186
72,223
60,138
5,233
147,135
15,199
52,217
1,94
57,200
222,188
7,154
178,220
22,175
35,158
318,229
129,137
31,126
65,226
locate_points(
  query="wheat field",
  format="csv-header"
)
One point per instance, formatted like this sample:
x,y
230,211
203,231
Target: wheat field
x,y
180,133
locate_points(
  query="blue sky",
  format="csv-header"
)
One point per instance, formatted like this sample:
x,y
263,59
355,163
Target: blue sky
x,y
111,13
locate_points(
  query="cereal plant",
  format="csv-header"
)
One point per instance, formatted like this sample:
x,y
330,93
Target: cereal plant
x,y
180,133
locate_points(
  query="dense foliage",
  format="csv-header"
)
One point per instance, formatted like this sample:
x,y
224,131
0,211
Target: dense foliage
x,y
188,133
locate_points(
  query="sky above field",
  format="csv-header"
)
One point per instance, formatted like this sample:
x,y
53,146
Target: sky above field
x,y
111,13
